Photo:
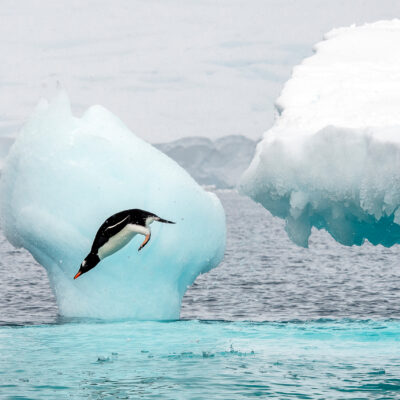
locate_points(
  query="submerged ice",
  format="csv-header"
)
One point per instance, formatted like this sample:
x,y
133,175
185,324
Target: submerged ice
x,y
332,158
65,175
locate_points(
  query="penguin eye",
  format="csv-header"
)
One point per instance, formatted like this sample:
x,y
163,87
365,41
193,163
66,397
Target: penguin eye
x,y
83,263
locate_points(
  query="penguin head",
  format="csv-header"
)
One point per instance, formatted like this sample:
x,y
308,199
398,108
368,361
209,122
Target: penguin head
x,y
152,217
88,263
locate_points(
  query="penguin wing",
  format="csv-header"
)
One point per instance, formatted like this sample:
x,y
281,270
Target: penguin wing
x,y
116,225
110,228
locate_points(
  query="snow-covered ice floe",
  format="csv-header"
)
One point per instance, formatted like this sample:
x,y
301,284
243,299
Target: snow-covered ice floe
x,y
332,158
65,175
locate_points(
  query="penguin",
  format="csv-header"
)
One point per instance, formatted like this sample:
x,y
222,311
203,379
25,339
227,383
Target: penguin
x,y
116,232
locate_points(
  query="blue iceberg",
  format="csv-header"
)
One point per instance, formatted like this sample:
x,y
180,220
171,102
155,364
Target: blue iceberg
x,y
65,175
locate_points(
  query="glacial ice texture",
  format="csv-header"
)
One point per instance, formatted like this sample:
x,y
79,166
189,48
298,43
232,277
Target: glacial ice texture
x,y
332,158
65,175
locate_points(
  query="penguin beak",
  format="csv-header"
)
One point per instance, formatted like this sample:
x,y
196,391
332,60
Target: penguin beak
x,y
165,221
78,274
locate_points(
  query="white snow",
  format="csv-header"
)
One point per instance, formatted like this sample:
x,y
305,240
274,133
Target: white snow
x,y
332,158
65,176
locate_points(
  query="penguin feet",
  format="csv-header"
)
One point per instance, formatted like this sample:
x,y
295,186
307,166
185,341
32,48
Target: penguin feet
x,y
146,240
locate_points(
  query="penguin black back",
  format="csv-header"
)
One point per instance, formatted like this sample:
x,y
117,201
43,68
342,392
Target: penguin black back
x,y
116,232
114,224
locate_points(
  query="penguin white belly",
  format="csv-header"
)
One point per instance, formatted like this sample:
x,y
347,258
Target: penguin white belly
x,y
121,239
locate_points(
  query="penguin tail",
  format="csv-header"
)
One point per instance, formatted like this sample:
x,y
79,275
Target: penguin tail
x,y
165,221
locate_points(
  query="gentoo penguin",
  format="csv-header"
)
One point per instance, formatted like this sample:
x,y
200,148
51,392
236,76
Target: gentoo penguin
x,y
116,232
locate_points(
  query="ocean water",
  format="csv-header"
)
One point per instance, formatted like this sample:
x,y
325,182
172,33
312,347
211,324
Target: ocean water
x,y
201,360
273,321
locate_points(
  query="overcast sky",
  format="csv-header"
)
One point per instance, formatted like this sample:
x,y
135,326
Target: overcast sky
x,y
167,68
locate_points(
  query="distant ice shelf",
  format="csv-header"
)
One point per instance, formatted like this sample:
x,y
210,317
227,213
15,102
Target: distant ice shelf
x,y
65,175
218,163
332,158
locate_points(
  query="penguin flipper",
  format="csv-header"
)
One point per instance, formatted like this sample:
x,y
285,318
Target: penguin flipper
x,y
146,240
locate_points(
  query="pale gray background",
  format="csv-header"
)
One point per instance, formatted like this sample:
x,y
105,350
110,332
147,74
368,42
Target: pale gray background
x,y
167,68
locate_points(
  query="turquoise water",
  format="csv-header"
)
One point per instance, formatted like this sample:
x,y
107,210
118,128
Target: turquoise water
x,y
201,360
